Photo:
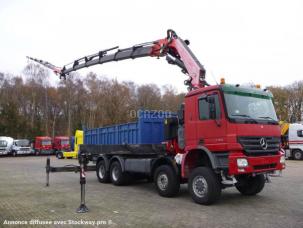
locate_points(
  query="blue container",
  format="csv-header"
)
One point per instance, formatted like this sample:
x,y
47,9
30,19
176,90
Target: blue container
x,y
149,129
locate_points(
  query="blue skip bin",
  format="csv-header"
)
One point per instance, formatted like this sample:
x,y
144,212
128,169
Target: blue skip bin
x,y
149,129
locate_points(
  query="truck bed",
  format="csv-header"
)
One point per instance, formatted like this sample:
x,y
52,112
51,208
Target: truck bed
x,y
134,150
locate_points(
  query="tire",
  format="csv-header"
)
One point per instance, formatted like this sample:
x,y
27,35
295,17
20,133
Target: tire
x,y
117,177
204,186
167,181
102,173
249,185
297,154
59,155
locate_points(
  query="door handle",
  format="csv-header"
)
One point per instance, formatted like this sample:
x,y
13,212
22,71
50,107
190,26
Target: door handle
x,y
201,142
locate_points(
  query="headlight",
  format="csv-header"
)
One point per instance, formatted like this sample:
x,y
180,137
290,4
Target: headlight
x,y
282,159
242,162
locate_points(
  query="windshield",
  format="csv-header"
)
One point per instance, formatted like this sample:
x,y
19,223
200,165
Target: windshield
x,y
3,143
46,142
64,142
250,107
23,142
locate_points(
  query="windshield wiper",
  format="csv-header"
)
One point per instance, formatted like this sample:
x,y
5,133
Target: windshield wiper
x,y
267,117
247,116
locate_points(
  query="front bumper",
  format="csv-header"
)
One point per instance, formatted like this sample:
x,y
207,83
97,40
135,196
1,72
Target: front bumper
x,y
3,152
70,154
260,164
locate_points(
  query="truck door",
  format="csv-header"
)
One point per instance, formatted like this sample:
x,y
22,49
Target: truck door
x,y
211,124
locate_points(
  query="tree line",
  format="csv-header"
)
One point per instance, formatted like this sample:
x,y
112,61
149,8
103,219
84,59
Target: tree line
x,y
31,106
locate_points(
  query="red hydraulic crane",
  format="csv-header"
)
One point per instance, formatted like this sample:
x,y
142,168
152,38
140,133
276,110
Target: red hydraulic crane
x,y
172,47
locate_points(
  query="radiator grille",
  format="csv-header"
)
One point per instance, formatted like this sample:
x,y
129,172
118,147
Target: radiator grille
x,y
260,145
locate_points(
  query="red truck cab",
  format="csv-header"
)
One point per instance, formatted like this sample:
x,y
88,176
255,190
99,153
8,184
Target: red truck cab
x,y
61,143
43,145
237,125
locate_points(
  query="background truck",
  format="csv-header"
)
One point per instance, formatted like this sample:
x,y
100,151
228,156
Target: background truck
x,y
292,140
224,135
6,144
21,147
77,141
61,143
43,145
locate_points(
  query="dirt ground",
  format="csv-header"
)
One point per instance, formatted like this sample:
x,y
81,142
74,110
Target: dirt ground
x,y
24,199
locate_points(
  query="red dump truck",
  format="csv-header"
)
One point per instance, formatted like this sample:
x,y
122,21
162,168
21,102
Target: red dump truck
x,y
223,136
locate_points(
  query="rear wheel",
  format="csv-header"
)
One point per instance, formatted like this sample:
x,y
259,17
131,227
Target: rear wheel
x,y
118,177
297,154
102,173
249,185
204,186
166,181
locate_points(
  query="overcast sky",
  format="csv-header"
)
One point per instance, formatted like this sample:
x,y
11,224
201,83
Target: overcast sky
x,y
244,41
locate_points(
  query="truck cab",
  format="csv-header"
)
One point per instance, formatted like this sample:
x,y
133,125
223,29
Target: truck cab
x,y
43,145
78,140
6,144
293,141
21,147
61,143
235,127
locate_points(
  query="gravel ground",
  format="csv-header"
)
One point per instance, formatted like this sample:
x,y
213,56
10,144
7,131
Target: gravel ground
x,y
25,199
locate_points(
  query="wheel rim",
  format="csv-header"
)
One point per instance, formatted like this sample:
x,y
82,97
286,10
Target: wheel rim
x,y
162,181
200,186
297,155
115,174
101,171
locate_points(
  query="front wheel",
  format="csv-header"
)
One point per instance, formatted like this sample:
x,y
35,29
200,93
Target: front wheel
x,y
59,155
204,186
297,155
249,185
14,153
167,181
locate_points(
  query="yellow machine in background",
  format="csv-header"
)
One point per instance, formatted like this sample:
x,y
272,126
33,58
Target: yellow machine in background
x,y
284,127
78,141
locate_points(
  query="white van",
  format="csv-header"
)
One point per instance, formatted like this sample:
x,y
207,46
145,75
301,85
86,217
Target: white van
x,y
6,144
21,146
294,140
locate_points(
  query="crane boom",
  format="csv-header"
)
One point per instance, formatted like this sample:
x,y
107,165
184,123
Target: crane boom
x,y
172,47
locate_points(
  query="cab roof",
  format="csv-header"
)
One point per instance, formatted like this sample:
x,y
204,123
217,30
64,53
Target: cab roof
x,y
234,89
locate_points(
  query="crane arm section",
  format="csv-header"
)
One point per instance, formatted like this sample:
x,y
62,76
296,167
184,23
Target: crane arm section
x,y
172,47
